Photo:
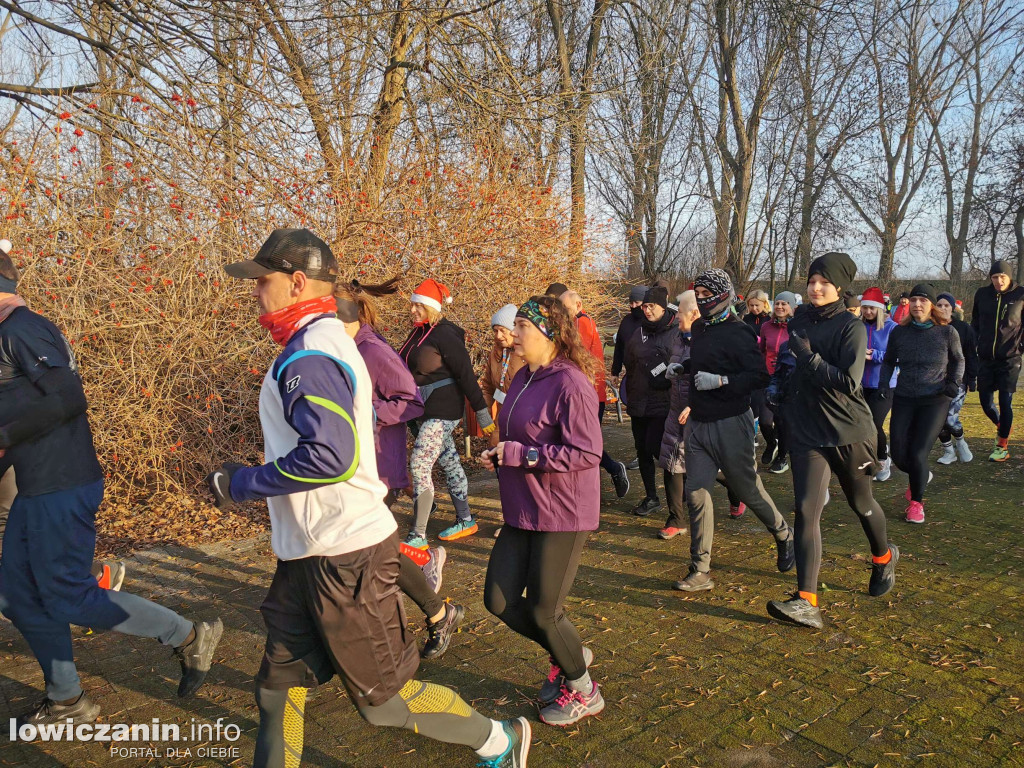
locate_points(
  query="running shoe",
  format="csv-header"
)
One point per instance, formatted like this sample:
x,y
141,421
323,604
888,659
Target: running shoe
x,y
780,465
796,610
737,511
948,454
416,541
572,706
460,530
109,574
883,575
519,736
695,581
646,507
552,686
999,453
621,480
786,553
963,450
670,532
433,567
907,494
49,712
885,472
634,465
439,635
196,657
915,512
771,452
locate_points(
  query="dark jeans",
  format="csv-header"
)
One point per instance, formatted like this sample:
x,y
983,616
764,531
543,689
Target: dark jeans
x,y
543,565
46,585
812,470
880,407
647,434
915,425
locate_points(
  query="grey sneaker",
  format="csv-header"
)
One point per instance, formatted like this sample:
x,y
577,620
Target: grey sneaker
x,y
634,465
883,577
434,566
109,574
552,687
885,472
50,712
196,657
519,735
572,706
439,635
796,610
696,581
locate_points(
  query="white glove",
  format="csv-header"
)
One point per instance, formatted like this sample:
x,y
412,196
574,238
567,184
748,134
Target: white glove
x,y
704,380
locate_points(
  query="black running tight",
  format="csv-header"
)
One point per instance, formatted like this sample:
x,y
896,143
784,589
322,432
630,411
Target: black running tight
x,y
914,426
812,471
647,434
543,565
1003,417
412,581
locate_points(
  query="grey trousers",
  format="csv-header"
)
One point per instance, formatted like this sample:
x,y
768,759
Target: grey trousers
x,y
726,445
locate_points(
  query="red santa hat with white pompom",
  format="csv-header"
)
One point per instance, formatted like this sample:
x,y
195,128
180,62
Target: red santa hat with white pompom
x,y
432,294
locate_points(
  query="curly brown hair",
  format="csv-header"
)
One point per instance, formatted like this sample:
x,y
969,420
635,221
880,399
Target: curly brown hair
x,y
363,296
565,336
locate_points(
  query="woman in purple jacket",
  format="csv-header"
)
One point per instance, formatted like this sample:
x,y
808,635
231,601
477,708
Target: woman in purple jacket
x,y
550,483
879,327
396,400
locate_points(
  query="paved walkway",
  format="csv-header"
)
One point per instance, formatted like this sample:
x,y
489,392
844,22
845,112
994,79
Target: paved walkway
x,y
933,674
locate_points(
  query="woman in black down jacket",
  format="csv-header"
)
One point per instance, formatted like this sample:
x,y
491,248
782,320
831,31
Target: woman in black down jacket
x,y
647,358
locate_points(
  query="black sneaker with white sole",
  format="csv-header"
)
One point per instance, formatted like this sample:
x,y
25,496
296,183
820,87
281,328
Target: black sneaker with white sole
x,y
196,657
439,635
796,610
786,553
646,507
621,479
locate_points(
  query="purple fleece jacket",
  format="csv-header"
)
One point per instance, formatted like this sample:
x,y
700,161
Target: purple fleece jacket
x,y
554,410
396,400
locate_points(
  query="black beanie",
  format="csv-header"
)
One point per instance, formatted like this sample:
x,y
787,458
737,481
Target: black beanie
x,y
837,268
1001,268
924,289
556,290
657,295
851,300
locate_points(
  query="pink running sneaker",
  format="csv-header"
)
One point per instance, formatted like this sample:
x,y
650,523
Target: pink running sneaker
x,y
915,512
737,511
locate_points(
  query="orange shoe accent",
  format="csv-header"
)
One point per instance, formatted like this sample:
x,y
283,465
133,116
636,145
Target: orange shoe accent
x,y
461,534
883,559
810,597
419,556
1004,442
104,580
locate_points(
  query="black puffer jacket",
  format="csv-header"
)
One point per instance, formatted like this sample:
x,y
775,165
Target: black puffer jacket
x,y
969,346
435,353
649,349
997,322
627,327
823,401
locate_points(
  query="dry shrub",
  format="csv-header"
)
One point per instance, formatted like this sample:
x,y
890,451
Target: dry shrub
x,y
127,259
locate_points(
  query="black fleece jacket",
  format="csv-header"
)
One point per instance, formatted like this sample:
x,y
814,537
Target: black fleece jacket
x,y
998,324
439,352
823,401
728,348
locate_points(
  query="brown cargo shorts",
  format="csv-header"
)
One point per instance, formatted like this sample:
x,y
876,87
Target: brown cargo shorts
x,y
339,615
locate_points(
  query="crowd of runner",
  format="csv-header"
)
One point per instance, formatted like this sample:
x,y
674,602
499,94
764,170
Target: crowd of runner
x,y
814,376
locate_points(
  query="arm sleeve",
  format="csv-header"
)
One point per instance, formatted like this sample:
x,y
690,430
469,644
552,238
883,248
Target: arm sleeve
x,y
889,361
317,397
752,374
618,357
878,352
456,357
582,442
396,398
970,345
976,315
846,375
955,361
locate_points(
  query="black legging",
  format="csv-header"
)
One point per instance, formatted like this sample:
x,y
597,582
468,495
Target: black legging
x,y
675,491
608,464
543,563
412,581
1002,418
768,421
812,470
879,410
914,426
647,434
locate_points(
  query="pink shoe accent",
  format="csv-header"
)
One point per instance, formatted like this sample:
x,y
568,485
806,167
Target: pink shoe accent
x,y
915,512
735,512
554,672
907,494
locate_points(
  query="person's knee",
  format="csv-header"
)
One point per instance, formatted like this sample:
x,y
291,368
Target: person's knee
x,y
544,616
393,713
494,600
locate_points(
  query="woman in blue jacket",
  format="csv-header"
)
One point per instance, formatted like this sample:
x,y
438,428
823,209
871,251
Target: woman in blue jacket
x,y
879,326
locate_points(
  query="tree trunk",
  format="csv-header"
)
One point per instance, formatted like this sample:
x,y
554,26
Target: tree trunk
x,y
887,259
1018,234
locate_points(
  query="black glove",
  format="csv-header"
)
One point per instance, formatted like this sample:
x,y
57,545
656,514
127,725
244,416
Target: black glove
x,y
219,482
951,389
972,385
799,346
884,391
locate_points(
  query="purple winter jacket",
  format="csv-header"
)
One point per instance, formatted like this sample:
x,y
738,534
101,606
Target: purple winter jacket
x,y
554,410
396,400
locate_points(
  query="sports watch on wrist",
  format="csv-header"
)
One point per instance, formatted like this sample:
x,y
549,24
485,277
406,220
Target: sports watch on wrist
x,y
532,457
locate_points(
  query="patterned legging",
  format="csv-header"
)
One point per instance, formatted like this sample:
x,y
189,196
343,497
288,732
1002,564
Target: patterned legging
x,y
435,445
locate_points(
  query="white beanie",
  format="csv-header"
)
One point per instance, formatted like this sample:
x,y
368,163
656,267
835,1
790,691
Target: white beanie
x,y
505,317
